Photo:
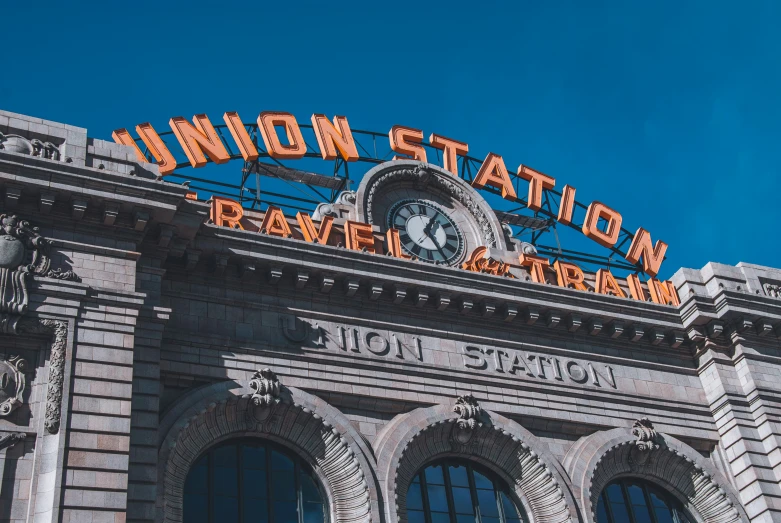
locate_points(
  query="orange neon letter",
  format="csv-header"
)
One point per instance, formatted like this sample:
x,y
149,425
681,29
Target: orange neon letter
x,y
663,292
405,140
308,228
266,125
330,139
606,284
609,236
537,182
226,212
165,160
653,255
359,236
240,135
451,149
566,205
275,223
569,275
635,287
494,173
537,266
394,244
199,139
122,137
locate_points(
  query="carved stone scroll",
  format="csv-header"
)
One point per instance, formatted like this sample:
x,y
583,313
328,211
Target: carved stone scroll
x,y
12,384
58,330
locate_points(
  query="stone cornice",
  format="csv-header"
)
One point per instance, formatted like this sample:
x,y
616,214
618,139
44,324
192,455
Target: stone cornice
x,y
402,282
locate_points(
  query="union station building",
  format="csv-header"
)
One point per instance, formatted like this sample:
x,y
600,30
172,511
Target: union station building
x,y
173,359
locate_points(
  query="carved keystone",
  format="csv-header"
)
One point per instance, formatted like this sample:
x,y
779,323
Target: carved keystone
x,y
267,388
468,411
647,437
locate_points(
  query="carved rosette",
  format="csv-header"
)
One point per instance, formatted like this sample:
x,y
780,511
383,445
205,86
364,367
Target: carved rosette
x,y
12,384
267,388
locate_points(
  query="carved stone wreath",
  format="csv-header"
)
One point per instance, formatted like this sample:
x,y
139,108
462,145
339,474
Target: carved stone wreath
x,y
427,175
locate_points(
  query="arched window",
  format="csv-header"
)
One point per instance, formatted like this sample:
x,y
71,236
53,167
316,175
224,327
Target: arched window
x,y
631,500
250,481
452,491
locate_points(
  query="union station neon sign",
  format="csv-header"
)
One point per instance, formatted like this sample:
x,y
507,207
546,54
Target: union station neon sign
x,y
602,224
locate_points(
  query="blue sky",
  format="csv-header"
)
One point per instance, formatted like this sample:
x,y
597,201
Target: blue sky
x,y
662,110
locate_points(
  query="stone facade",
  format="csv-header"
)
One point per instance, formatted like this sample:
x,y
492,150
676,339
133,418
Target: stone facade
x,y
150,334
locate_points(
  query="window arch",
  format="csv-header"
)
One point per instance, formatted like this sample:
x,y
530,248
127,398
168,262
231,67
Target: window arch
x,y
457,491
631,500
249,481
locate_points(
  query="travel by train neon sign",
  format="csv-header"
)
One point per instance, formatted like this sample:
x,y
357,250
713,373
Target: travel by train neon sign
x,y
281,137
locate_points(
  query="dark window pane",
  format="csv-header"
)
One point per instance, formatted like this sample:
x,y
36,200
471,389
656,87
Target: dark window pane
x,y
225,456
284,485
416,516
253,457
440,517
437,498
280,461
285,512
462,518
481,482
226,482
414,499
487,502
255,510
490,520
197,480
458,477
614,493
663,515
196,508
226,509
309,490
601,510
313,513
462,500
620,514
656,500
510,512
434,475
254,483
636,496
641,514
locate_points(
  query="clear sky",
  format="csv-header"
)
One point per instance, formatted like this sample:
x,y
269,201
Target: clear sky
x,y
666,111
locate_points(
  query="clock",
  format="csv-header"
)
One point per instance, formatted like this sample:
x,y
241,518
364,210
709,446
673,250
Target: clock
x,y
426,231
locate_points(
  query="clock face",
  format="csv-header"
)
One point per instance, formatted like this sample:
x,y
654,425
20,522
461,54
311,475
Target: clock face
x,y
426,231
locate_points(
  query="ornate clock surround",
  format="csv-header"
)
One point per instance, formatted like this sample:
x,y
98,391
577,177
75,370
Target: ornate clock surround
x,y
411,178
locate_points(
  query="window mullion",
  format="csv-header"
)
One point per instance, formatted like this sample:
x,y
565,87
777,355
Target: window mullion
x,y
210,487
629,508
651,508
473,493
451,506
240,476
424,493
608,508
270,502
299,494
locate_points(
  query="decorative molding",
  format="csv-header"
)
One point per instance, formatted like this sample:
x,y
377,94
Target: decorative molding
x,y
58,330
267,388
59,274
12,384
412,440
468,410
307,425
13,143
9,439
596,460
